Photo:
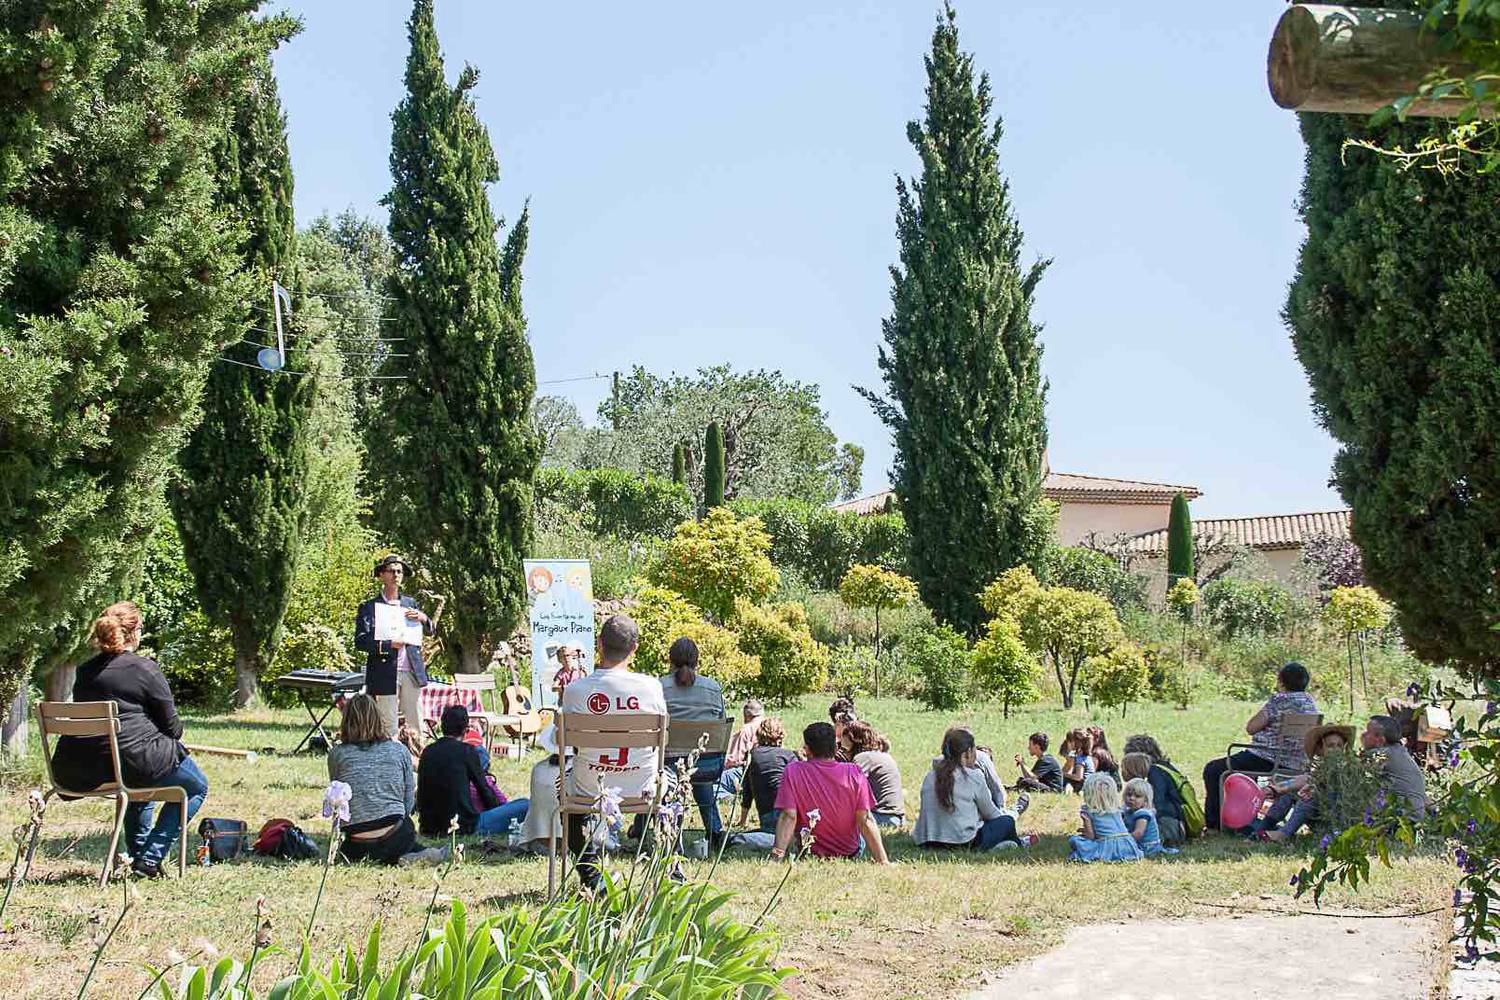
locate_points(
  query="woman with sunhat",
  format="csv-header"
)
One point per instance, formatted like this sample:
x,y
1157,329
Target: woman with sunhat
x,y
1294,800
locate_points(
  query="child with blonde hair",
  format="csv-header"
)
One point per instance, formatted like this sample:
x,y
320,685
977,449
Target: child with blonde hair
x,y
1104,836
1140,816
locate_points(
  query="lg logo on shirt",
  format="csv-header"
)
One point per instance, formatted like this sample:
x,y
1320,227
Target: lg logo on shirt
x,y
599,703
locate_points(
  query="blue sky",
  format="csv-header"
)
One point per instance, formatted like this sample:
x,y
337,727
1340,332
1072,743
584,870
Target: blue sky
x,y
715,183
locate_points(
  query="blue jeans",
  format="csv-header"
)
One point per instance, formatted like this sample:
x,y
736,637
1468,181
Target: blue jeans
x,y
730,781
994,831
497,820
148,844
888,819
705,781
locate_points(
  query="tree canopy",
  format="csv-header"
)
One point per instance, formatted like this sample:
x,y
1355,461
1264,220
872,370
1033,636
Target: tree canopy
x,y
964,395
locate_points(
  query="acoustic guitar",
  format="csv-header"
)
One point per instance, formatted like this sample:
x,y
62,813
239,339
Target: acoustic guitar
x,y
516,700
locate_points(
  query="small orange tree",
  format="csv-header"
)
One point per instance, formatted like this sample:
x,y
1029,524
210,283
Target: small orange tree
x,y
867,586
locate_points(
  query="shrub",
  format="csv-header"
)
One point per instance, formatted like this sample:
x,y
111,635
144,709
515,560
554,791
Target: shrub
x,y
718,561
792,663
665,616
1011,592
851,668
1004,666
1118,678
943,663
822,544
1237,606
867,586
1095,572
615,502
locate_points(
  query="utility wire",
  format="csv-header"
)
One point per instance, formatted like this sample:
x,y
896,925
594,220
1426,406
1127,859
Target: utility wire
x,y
288,371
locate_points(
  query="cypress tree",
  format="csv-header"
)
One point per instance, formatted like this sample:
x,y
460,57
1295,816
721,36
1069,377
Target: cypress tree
x,y
713,467
1395,315
453,455
119,284
241,499
679,464
961,361
1179,541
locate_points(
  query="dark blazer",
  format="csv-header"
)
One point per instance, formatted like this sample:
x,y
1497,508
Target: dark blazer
x,y
380,655
149,728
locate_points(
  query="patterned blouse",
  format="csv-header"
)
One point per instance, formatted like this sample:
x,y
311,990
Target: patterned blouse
x,y
1268,740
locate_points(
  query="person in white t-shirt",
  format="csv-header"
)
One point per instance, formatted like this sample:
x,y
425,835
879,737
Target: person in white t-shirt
x,y
612,689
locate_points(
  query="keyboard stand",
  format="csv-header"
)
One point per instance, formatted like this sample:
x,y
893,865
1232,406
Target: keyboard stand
x,y
316,729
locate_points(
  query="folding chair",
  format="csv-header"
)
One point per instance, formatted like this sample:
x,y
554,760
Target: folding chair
x,y
101,719
1287,756
616,735
480,685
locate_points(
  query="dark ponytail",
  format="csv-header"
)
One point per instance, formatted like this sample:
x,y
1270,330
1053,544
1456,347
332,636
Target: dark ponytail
x,y
956,743
684,658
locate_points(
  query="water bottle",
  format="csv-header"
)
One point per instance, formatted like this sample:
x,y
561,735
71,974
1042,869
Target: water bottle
x,y
514,840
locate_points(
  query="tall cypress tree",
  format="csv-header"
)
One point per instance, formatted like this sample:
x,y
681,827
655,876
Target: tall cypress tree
x,y
1179,541
679,464
713,467
119,285
961,361
453,455
1395,315
241,498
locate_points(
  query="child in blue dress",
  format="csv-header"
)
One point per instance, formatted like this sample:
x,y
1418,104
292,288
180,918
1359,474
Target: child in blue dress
x,y
1105,836
1140,817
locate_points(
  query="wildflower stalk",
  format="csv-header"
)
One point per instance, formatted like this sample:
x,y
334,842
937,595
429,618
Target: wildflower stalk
x,y
26,836
334,840
125,904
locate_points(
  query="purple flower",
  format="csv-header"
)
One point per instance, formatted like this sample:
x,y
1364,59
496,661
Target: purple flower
x,y
1453,758
1413,689
1471,953
1380,800
1294,880
1489,708
1461,857
1367,817
1323,844
1458,898
1472,826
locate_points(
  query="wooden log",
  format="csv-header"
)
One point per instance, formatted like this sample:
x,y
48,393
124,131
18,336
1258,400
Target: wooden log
x,y
248,755
1354,60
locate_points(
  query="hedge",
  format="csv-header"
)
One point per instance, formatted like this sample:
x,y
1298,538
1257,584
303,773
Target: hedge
x,y
822,544
615,502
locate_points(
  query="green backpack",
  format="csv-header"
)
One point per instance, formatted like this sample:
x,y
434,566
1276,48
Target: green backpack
x,y
1192,812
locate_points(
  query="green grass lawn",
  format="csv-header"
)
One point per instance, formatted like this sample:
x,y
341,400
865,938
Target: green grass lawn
x,y
924,927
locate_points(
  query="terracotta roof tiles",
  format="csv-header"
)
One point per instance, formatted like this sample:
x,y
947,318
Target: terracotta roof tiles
x,y
1064,486
1274,531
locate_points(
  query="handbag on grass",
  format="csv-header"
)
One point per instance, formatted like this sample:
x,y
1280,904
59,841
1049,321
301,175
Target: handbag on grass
x,y
224,839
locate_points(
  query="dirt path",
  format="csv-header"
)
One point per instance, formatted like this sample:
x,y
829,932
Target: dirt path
x,y
1247,958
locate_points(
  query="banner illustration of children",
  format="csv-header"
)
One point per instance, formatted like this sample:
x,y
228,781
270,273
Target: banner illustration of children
x,y
560,604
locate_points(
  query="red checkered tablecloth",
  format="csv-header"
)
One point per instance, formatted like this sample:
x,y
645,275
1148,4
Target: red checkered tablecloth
x,y
435,697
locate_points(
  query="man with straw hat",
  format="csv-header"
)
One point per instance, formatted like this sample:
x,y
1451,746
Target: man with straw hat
x,y
1294,803
394,670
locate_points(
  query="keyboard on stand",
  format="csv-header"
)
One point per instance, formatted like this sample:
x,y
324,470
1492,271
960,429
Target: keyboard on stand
x,y
309,684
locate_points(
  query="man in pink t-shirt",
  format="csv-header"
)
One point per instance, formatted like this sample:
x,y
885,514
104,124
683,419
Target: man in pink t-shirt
x,y
830,798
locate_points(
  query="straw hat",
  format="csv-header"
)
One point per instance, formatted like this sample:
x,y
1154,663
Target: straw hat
x,y
1312,742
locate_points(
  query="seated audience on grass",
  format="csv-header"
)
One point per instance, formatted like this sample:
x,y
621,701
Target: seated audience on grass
x,y
958,808
1400,777
871,754
612,689
740,745
1166,787
149,738
829,799
763,776
1104,757
1077,758
841,713
1045,775
1264,727
383,789
1140,817
1293,803
1104,836
692,697
540,824
451,776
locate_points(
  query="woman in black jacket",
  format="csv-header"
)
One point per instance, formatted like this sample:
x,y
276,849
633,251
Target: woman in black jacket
x,y
151,751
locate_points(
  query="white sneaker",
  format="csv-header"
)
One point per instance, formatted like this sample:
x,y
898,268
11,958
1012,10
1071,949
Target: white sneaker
x,y
1006,845
431,856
